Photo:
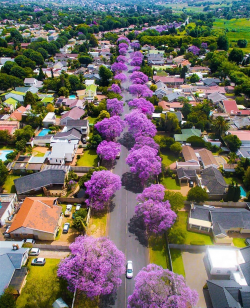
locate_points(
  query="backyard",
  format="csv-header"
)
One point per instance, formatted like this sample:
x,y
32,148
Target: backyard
x,y
192,238
9,186
88,159
239,242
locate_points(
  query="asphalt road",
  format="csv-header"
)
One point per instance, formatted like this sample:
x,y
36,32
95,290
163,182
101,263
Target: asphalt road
x,y
124,230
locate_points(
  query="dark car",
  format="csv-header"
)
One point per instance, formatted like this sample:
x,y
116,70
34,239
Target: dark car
x,y
191,184
84,140
66,227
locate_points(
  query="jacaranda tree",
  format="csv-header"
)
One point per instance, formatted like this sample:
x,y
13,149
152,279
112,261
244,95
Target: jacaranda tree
x,y
142,105
140,90
121,59
156,287
139,125
144,162
155,192
100,188
141,141
94,266
119,67
123,39
123,45
110,128
114,106
108,150
139,77
115,88
122,77
122,51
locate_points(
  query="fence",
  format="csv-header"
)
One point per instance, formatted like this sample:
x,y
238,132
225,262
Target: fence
x,y
197,248
80,169
169,254
229,204
52,247
71,200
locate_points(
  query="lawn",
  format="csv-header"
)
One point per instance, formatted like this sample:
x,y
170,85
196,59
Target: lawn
x,y
239,242
39,154
170,183
9,184
168,157
230,179
177,262
191,236
91,120
157,251
161,73
97,225
88,159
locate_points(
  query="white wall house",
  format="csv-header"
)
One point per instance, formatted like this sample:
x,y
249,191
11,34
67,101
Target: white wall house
x,y
7,202
19,96
62,152
50,119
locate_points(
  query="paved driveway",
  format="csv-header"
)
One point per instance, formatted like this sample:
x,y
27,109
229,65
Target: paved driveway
x,y
196,274
53,254
220,160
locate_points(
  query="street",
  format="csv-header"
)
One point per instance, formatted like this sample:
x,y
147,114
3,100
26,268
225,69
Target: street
x,y
121,226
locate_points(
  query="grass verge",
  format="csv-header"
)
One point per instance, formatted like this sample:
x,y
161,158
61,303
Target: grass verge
x,y
177,262
88,159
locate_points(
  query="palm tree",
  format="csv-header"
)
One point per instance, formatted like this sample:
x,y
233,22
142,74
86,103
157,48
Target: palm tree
x,y
220,126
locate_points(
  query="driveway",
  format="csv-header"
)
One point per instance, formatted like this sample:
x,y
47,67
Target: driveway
x,y
53,254
196,275
220,160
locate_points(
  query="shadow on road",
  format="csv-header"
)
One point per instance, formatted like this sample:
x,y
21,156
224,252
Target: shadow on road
x,y
137,227
107,301
132,182
127,140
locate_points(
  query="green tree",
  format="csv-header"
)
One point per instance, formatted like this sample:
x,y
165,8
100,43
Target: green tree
x,y
93,42
85,60
233,193
233,142
194,78
172,123
29,99
236,55
63,91
223,43
177,236
197,194
186,109
240,43
3,173
220,126
18,72
7,299
176,148
105,75
176,200
196,141
41,75
246,179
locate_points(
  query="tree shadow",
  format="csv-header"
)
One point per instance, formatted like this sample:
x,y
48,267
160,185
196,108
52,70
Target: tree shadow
x,y
132,182
109,164
127,140
137,227
107,301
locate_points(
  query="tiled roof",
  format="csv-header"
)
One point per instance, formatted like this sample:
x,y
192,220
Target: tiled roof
x,y
74,114
207,158
37,213
189,153
214,181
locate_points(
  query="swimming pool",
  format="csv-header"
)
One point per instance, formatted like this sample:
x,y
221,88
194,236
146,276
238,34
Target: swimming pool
x,y
72,97
242,192
3,154
44,132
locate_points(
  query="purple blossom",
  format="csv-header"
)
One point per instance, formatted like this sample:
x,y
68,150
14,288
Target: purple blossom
x,y
140,90
136,61
94,266
123,45
123,38
108,150
122,51
140,125
136,68
114,106
143,105
79,33
139,77
122,59
119,67
204,45
110,128
115,88
155,192
194,49
122,77
145,162
135,45
158,287
142,140
101,187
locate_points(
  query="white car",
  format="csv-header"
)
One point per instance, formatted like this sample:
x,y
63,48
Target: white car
x,y
78,206
69,207
129,271
38,261
34,252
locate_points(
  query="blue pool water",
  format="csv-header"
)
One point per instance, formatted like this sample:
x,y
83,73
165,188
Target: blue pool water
x,y
242,192
72,97
3,154
44,132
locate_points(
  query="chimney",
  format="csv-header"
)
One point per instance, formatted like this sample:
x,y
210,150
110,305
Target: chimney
x,y
15,246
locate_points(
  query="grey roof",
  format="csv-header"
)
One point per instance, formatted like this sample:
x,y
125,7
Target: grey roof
x,y
245,296
77,123
18,278
216,97
178,114
244,152
214,181
246,253
245,268
188,174
46,137
38,180
217,229
211,81
69,135
173,96
241,121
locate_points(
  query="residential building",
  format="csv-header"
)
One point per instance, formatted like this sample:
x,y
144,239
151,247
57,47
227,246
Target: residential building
x,y
19,96
32,82
49,119
18,113
90,92
186,133
216,98
188,154
72,134
8,205
186,175
62,152
10,103
230,107
81,125
73,114
38,218
207,159
243,135
10,126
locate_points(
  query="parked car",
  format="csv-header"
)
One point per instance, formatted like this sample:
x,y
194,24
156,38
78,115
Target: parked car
x,y
78,206
10,217
67,213
29,240
247,241
66,227
191,184
129,271
38,261
69,207
6,234
34,252
84,140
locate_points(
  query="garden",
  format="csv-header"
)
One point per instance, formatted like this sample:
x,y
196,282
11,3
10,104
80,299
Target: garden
x,y
88,159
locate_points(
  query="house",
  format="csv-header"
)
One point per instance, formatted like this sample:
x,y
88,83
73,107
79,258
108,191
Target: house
x,y
229,167
18,113
60,303
215,142
216,97
90,92
207,159
188,154
8,203
211,81
47,179
38,218
3,60
49,119
81,125
212,180
10,126
186,175
243,135
43,140
33,82
187,165
231,108
19,96
244,151
12,260
186,133
73,114
174,96
171,81
72,134
62,152
10,103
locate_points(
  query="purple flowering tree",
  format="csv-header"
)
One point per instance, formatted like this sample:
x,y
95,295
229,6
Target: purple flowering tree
x,y
143,105
122,51
114,106
139,77
135,46
157,215
140,90
144,162
123,45
155,192
122,77
136,61
94,266
204,45
158,287
121,59
124,39
141,141
108,150
100,188
136,68
110,128
140,125
119,67
194,49
115,88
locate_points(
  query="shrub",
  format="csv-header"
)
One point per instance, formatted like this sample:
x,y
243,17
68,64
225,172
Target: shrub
x,y
197,243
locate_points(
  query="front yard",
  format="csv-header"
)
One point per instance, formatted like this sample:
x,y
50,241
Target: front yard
x,y
192,238
97,225
170,183
177,262
157,251
168,157
9,186
88,159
